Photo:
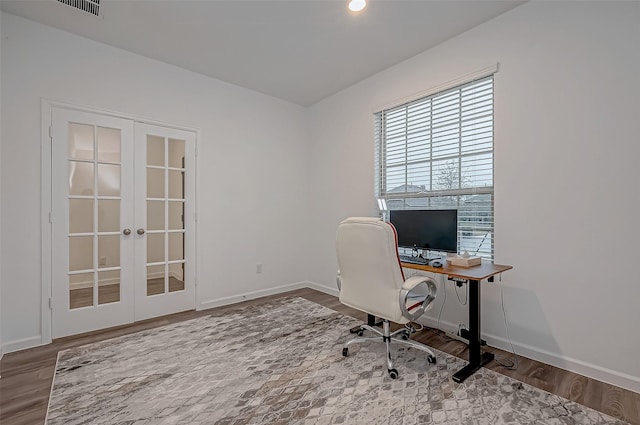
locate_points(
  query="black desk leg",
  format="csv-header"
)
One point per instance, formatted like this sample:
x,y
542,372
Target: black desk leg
x,y
476,358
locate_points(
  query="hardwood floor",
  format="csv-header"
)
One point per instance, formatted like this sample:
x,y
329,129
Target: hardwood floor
x,y
27,375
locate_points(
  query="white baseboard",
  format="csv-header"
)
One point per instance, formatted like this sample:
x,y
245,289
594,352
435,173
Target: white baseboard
x,y
609,376
599,373
322,288
115,280
265,292
204,305
88,284
21,344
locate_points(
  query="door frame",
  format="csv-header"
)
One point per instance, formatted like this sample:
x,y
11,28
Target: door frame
x,y
46,229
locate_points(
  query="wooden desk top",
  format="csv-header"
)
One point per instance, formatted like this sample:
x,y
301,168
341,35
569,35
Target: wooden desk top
x,y
480,272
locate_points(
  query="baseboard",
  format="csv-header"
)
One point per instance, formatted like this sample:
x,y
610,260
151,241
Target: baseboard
x,y
218,302
580,367
322,288
21,344
88,284
106,282
609,376
266,292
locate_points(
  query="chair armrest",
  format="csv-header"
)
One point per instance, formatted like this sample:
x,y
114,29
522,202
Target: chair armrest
x,y
414,312
414,281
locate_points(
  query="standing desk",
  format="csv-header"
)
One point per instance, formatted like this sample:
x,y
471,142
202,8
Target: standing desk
x,y
473,276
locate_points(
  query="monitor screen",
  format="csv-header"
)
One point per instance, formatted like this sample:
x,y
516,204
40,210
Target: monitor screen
x,y
435,230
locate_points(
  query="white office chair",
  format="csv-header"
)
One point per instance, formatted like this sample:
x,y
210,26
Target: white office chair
x,y
370,279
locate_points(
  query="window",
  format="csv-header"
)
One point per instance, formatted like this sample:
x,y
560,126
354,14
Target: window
x,y
437,152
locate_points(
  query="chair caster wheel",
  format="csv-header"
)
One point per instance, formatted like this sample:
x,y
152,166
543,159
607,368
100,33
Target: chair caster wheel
x,y
360,332
393,374
345,352
405,337
431,359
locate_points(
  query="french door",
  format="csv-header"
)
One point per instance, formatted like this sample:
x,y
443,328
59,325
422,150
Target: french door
x,y
165,280
122,219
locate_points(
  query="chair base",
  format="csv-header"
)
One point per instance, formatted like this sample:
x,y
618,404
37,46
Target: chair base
x,y
400,336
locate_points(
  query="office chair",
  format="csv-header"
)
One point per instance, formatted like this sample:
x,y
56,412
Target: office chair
x,y
371,280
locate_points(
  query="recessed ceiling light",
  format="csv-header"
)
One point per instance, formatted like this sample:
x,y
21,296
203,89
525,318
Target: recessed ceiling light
x,y
357,5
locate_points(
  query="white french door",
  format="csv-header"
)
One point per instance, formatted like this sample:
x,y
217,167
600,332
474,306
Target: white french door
x,y
122,196
92,206
165,189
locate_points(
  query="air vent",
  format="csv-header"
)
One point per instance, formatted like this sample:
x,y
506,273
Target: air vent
x,y
89,6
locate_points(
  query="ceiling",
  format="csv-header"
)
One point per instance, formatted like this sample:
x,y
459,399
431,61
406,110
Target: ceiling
x,y
297,50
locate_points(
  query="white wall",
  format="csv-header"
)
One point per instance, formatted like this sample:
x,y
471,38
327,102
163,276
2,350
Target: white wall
x,y
566,186
252,160
566,177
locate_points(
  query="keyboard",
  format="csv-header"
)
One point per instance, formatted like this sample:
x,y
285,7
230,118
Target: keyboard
x,y
413,260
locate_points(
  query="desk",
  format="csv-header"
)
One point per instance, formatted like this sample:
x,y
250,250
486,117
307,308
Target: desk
x,y
473,275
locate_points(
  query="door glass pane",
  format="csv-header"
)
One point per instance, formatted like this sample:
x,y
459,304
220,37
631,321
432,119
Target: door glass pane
x,y
80,253
108,287
176,277
80,215
108,180
155,280
176,153
176,188
175,215
80,141
155,183
155,247
80,178
108,144
155,215
108,215
80,290
176,247
109,251
155,150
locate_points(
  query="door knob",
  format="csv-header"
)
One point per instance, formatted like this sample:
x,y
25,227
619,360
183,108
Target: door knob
x,y
140,231
126,232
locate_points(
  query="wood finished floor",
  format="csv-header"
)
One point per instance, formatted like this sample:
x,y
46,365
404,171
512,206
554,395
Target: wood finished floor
x,y
27,375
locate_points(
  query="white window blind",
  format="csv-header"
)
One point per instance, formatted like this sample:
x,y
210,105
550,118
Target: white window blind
x,y
437,153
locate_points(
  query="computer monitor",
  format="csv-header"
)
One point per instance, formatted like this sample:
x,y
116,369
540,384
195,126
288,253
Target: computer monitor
x,y
435,230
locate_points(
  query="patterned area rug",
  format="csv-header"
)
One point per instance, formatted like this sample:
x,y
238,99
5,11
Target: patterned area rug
x,y
281,363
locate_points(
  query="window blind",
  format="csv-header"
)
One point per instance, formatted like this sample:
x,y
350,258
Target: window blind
x,y
436,152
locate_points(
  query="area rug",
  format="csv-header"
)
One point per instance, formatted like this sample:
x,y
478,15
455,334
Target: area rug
x,y
281,363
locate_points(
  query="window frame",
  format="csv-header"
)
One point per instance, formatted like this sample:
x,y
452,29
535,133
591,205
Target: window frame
x,y
475,220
